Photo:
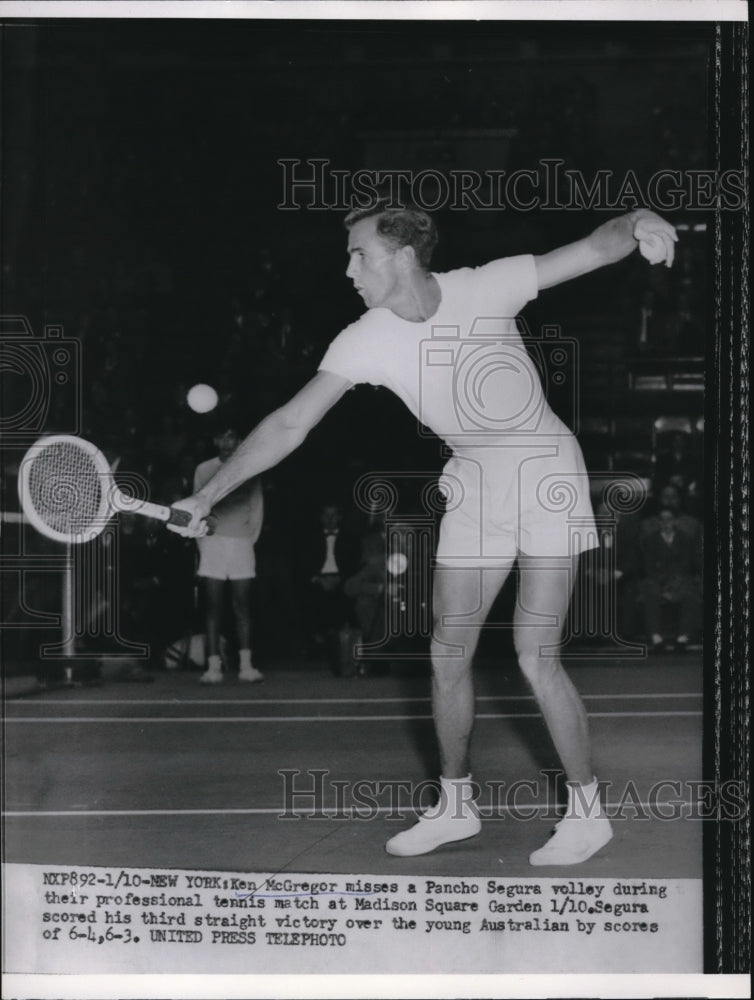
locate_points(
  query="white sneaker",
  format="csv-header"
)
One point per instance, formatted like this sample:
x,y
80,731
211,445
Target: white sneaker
x,y
436,827
575,840
211,676
250,674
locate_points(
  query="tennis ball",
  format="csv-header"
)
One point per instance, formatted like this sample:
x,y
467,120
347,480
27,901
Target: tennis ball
x,y
202,398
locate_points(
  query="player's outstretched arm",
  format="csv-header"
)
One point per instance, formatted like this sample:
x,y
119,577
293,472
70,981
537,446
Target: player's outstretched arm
x,y
272,440
609,243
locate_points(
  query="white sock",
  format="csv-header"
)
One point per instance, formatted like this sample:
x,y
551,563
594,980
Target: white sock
x,y
584,800
244,659
214,663
458,793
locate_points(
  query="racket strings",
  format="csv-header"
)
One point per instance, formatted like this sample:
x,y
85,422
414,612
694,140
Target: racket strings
x,y
66,488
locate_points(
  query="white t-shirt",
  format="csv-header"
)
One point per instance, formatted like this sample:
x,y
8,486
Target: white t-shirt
x,y
516,481
240,513
465,372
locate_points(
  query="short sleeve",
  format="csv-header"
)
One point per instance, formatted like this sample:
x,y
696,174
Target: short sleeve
x,y
508,284
352,355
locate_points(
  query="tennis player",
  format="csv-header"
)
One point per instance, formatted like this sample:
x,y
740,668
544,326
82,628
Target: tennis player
x,y
513,463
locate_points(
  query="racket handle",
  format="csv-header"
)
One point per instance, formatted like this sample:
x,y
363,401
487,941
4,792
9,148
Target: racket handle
x,y
183,518
180,517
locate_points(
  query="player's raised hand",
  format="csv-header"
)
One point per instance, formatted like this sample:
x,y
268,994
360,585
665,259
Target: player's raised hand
x,y
656,236
200,523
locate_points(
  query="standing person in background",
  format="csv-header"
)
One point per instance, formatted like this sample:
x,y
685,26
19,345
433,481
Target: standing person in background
x,y
330,557
228,555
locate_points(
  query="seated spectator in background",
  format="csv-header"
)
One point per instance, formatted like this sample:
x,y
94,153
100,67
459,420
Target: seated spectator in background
x,y
672,497
227,555
671,571
330,556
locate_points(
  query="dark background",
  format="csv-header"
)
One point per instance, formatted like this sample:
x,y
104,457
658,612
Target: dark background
x,y
141,191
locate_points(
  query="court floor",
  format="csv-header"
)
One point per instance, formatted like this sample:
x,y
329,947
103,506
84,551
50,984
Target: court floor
x,y
285,775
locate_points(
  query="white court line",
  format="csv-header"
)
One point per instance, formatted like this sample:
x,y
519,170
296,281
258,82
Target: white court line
x,y
316,718
178,702
349,812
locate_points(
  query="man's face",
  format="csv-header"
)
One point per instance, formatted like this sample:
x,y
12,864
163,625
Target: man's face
x,y
226,443
670,498
330,518
372,264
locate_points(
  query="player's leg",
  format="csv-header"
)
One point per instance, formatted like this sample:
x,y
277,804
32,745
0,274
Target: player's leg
x,y
462,599
214,595
544,594
241,597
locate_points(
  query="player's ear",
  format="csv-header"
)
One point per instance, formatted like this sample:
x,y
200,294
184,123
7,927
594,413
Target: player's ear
x,y
406,257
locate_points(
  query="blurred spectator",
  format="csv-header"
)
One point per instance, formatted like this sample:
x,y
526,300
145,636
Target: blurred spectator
x,y
331,556
672,498
671,578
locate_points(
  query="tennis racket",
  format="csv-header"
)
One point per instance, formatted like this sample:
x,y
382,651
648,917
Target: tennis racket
x,y
68,492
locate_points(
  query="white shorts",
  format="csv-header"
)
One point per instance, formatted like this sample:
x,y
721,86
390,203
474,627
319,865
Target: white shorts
x,y
222,557
523,498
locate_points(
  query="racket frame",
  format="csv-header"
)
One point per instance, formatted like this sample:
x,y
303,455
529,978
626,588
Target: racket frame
x,y
113,501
